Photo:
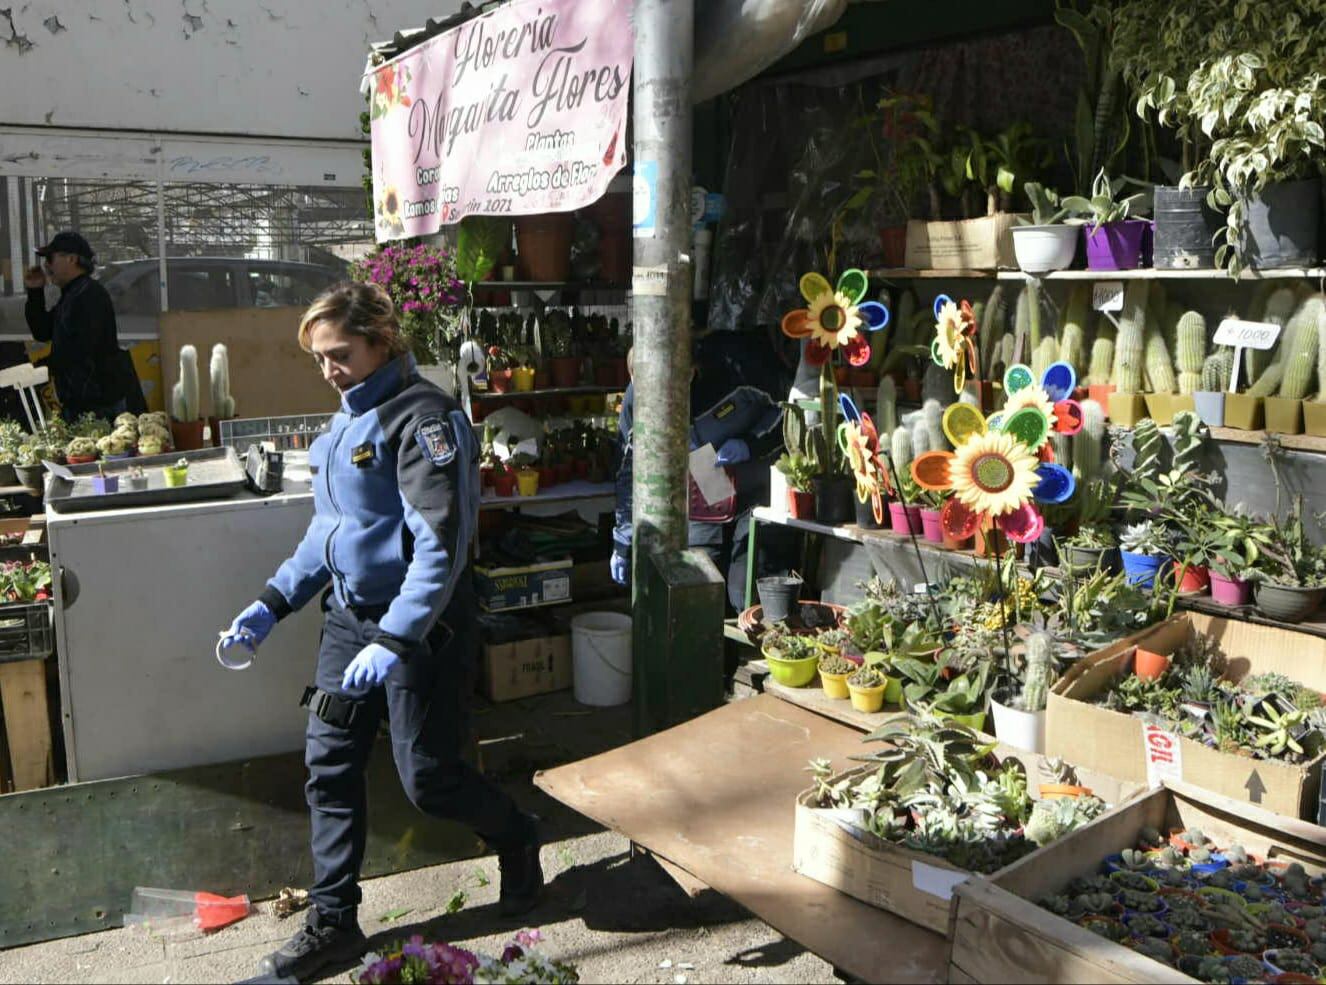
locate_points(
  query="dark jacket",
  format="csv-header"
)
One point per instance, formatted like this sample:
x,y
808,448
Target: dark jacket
x,y
395,501
84,345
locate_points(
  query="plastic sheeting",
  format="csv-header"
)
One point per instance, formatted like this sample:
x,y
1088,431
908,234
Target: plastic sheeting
x,y
736,40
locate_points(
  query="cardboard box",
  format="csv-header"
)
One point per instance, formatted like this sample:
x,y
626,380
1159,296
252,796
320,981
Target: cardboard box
x,y
1000,935
964,244
892,877
524,586
1131,749
526,667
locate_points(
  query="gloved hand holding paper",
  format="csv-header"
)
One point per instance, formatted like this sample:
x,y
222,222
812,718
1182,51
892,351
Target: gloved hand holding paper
x,y
710,478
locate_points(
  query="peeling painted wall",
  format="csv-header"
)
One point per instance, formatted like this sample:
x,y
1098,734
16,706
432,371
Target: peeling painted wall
x,y
254,67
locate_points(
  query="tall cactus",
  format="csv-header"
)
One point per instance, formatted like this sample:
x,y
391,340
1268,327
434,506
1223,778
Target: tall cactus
x,y
1189,438
932,414
1062,445
1147,446
1034,314
1072,336
1089,444
184,395
920,436
1190,355
1007,347
1300,359
829,421
1130,346
1102,353
1040,669
993,320
886,405
223,404
1278,309
1159,368
1321,358
1173,315
1022,319
1043,356
1216,369
900,449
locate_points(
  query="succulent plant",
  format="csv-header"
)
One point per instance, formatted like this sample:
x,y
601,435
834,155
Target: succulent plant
x,y
1093,903
1193,942
1147,925
1136,860
1106,927
1296,961
837,664
1214,969
1246,967
1141,901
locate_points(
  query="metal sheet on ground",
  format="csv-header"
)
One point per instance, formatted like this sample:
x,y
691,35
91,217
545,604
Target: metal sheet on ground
x,y
716,796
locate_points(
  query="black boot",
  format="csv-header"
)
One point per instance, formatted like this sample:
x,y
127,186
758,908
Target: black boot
x,y
316,946
522,874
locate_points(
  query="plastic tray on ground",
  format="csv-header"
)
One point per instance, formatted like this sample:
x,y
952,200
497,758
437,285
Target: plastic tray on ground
x,y
214,473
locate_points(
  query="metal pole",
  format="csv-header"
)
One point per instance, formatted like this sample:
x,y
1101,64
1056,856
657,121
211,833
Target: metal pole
x,y
661,296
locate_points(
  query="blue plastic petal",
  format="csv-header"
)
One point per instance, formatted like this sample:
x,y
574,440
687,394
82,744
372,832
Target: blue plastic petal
x,y
940,301
873,314
1059,381
849,408
1056,485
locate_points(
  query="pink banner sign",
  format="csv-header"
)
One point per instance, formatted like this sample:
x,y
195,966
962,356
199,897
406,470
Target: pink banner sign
x,y
518,112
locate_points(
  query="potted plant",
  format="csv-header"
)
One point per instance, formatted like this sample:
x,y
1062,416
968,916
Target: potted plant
x,y
1019,711
964,700
1197,545
1145,550
81,451
177,474
1092,548
792,659
778,595
186,427
932,525
500,363
223,404
522,370
1044,242
834,671
527,473
799,472
424,285
866,688
28,467
1113,232
1242,539
1290,573
504,481
543,246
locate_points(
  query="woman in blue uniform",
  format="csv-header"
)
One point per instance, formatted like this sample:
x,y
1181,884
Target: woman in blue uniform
x,y
396,494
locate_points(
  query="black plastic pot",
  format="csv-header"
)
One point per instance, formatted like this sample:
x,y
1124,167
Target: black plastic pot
x,y
1185,225
865,514
1085,560
30,476
7,475
778,596
1288,603
1282,225
833,499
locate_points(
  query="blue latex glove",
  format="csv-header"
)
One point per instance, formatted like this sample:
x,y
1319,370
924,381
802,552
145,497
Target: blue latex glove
x,y
250,627
369,668
734,452
620,566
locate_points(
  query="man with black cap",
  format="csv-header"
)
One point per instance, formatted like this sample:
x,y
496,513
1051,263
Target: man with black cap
x,y
85,346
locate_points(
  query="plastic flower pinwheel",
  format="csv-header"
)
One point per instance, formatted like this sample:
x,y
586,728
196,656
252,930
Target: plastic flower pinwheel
x,y
954,346
1002,465
836,318
859,441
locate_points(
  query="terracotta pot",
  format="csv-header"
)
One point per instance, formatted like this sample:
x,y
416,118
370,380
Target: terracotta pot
x,y
542,379
1149,665
800,505
187,435
547,476
83,459
1100,392
1057,791
543,245
893,246
214,428
565,370
1196,580
499,380
504,482
612,214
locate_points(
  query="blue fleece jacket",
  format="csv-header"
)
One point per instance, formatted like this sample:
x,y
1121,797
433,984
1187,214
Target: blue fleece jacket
x,y
395,499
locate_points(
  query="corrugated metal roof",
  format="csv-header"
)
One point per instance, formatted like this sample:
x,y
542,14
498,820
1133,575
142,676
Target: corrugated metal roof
x,y
407,38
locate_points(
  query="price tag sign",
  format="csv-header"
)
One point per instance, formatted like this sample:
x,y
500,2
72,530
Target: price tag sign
x,y
1107,295
1247,334
1164,755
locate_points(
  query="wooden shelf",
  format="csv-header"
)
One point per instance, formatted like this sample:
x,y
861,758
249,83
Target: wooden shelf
x,y
1294,442
551,391
912,273
536,285
562,493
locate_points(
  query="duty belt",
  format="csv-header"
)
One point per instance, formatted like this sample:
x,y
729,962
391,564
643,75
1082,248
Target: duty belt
x,y
331,708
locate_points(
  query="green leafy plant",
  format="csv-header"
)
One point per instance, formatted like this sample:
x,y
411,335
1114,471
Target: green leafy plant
x,y
1107,204
1046,209
797,469
1146,538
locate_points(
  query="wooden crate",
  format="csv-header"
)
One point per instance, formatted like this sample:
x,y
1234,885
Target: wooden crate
x,y
27,723
1000,935
912,884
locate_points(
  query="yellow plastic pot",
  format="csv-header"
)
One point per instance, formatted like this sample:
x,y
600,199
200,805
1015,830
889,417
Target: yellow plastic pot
x,y
867,698
527,481
522,379
792,673
176,475
835,685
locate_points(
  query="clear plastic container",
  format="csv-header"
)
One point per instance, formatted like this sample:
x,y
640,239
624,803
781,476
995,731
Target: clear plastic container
x,y
184,910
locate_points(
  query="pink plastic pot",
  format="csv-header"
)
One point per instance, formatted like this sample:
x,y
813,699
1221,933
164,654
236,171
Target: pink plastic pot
x,y
1229,591
904,518
932,527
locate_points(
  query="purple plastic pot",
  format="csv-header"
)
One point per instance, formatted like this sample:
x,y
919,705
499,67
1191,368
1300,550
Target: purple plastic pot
x,y
1115,245
932,526
1229,591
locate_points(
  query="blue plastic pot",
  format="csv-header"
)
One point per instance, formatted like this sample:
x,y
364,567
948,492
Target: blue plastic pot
x,y
1141,569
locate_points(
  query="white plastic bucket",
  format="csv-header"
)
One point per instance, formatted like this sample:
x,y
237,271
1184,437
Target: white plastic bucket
x,y
601,658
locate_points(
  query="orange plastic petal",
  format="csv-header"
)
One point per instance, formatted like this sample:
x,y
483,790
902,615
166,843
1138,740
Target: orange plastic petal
x,y
796,324
813,285
931,470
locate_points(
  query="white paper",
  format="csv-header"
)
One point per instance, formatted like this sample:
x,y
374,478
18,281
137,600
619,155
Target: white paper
x,y
936,881
58,470
1164,755
1107,295
712,481
1247,334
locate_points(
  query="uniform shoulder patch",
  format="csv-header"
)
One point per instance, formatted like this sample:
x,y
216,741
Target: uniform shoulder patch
x,y
437,440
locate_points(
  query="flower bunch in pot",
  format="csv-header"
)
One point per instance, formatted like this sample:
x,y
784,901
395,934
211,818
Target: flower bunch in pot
x,y
1113,229
1289,575
424,285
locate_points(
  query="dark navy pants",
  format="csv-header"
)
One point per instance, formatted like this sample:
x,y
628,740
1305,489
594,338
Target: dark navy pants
x,y
425,699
